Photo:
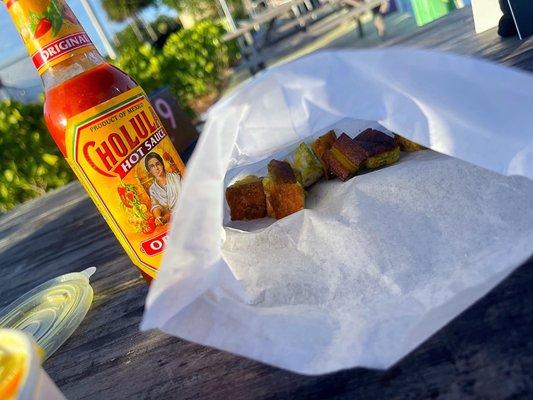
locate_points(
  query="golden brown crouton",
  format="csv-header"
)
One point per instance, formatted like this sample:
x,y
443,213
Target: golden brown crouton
x,y
381,148
284,195
246,199
407,145
307,166
321,145
345,157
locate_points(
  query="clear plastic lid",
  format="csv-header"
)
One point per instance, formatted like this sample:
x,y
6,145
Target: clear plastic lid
x,y
52,311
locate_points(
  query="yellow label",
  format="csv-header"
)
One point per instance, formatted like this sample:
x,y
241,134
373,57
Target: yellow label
x,y
14,359
123,157
17,352
49,30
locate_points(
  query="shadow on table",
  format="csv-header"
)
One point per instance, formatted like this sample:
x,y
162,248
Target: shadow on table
x,y
54,235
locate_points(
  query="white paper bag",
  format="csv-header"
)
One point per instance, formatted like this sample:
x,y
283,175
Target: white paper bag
x,y
373,266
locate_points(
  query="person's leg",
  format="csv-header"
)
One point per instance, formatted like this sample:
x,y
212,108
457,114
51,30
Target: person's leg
x,y
378,22
506,26
359,27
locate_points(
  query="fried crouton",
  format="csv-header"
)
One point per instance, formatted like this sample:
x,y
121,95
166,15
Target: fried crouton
x,y
284,194
307,166
246,199
320,146
407,145
381,148
345,157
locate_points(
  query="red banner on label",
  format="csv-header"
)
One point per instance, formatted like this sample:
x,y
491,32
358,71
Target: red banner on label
x,y
60,47
155,245
139,153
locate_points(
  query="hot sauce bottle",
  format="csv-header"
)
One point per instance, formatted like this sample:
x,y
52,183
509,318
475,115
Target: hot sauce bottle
x,y
104,125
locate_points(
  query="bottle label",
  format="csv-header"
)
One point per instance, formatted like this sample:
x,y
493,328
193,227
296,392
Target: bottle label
x,y
49,29
123,157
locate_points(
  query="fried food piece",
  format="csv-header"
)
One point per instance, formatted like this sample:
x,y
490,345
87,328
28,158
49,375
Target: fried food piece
x,y
281,172
284,194
307,167
373,135
407,145
246,199
387,157
380,147
345,157
321,146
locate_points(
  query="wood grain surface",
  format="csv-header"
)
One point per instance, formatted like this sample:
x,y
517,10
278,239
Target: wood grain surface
x,y
485,353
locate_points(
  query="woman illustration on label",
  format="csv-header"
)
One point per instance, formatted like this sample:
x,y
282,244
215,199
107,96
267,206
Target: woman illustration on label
x,y
165,190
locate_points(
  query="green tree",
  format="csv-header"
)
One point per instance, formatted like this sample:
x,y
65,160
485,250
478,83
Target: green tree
x,y
198,8
192,62
163,25
31,163
205,8
121,10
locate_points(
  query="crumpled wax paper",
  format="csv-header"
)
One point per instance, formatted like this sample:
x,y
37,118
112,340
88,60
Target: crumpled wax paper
x,y
373,266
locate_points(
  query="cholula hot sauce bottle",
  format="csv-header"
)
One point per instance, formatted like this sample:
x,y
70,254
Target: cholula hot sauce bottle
x,y
106,129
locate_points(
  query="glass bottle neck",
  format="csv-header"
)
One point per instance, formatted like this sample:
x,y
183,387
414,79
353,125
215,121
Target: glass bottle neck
x,y
71,67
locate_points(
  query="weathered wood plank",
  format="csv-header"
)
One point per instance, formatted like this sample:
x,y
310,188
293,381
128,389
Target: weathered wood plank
x,y
454,33
484,353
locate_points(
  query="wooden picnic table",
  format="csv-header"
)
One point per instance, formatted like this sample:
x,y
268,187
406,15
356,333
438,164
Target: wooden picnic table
x,y
486,352
254,53
267,16
358,7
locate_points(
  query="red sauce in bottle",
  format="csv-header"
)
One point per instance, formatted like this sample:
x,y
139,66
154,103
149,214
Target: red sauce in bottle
x,y
80,93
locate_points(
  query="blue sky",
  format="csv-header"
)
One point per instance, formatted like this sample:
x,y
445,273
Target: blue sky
x,y
11,44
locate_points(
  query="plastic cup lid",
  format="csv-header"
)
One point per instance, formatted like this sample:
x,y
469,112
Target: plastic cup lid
x,y
52,311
